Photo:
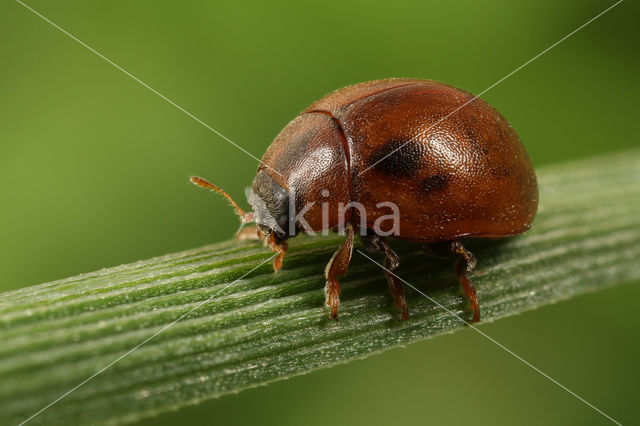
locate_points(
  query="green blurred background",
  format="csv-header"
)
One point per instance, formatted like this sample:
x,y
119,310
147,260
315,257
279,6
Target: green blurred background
x,y
94,168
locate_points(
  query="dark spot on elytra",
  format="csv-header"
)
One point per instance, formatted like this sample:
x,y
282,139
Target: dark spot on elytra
x,y
476,140
397,158
435,182
472,135
500,170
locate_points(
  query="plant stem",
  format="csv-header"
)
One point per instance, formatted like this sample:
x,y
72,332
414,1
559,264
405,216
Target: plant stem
x,y
235,331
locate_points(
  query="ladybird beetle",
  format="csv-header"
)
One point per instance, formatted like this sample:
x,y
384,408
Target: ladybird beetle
x,y
451,165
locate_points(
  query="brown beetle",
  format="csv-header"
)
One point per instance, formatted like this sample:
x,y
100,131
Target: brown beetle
x,y
449,162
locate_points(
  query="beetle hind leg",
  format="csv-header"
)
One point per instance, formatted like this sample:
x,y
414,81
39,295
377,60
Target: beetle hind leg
x,y
338,265
464,263
377,243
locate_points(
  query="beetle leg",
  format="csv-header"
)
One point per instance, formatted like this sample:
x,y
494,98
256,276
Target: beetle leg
x,y
338,265
280,247
377,243
464,264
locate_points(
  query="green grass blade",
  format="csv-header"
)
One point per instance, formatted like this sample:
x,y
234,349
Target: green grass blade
x,y
267,326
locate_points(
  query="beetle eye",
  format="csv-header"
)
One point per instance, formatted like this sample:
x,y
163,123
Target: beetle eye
x,y
283,222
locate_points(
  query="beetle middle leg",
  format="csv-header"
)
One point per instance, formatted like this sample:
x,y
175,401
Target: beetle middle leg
x,y
377,243
338,265
464,263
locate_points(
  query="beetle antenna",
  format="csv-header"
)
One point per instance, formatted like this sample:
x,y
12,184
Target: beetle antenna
x,y
245,217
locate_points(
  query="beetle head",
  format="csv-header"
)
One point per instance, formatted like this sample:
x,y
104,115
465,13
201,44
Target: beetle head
x,y
270,203
271,206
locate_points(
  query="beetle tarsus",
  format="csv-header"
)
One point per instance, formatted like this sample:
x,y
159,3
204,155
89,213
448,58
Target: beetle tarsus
x,y
279,247
377,243
338,265
463,265
282,252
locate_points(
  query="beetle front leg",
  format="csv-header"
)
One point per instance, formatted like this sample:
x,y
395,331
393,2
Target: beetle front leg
x,y
279,247
377,243
338,265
